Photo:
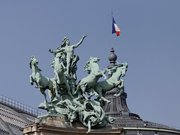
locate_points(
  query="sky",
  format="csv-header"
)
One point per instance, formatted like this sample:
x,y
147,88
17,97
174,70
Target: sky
x,y
149,43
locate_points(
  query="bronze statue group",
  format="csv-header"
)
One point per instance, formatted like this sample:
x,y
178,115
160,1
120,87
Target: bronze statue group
x,y
77,100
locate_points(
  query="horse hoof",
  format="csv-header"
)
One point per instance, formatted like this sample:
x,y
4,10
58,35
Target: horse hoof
x,y
116,95
108,102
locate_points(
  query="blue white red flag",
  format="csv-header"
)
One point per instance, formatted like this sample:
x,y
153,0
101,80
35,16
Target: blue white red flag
x,y
115,28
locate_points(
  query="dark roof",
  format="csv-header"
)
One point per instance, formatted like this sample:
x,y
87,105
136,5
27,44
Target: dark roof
x,y
13,120
131,122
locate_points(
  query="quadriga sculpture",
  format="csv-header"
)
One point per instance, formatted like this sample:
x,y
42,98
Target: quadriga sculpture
x,y
74,101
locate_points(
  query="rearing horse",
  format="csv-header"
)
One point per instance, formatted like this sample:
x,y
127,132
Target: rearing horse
x,y
89,81
41,82
113,81
60,73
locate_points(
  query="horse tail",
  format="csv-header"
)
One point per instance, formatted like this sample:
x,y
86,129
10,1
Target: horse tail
x,y
30,65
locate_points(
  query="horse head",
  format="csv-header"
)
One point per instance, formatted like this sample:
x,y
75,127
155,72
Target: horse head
x,y
92,65
93,60
34,62
123,67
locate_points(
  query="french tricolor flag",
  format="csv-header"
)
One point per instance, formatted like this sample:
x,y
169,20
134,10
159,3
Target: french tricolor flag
x,y
115,28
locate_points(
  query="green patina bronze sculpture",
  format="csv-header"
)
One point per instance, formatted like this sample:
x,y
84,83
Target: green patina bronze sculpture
x,y
77,100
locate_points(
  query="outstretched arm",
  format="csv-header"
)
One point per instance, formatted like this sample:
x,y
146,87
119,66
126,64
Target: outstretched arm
x,y
56,51
80,42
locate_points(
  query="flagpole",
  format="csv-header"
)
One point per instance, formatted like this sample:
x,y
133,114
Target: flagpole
x,y
112,20
111,12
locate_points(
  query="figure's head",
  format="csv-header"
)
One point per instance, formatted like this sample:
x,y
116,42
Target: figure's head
x,y
67,42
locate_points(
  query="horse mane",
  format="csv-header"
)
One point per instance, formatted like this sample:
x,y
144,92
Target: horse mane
x,y
30,65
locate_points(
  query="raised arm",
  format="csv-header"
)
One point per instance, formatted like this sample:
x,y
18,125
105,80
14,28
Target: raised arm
x,y
80,42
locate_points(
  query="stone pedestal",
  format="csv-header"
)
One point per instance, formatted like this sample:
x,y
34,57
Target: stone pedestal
x,y
58,126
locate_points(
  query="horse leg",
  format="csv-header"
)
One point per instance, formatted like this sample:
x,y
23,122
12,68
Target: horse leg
x,y
45,97
120,91
52,94
99,91
55,88
120,88
57,77
83,89
89,126
31,80
80,91
106,100
68,88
